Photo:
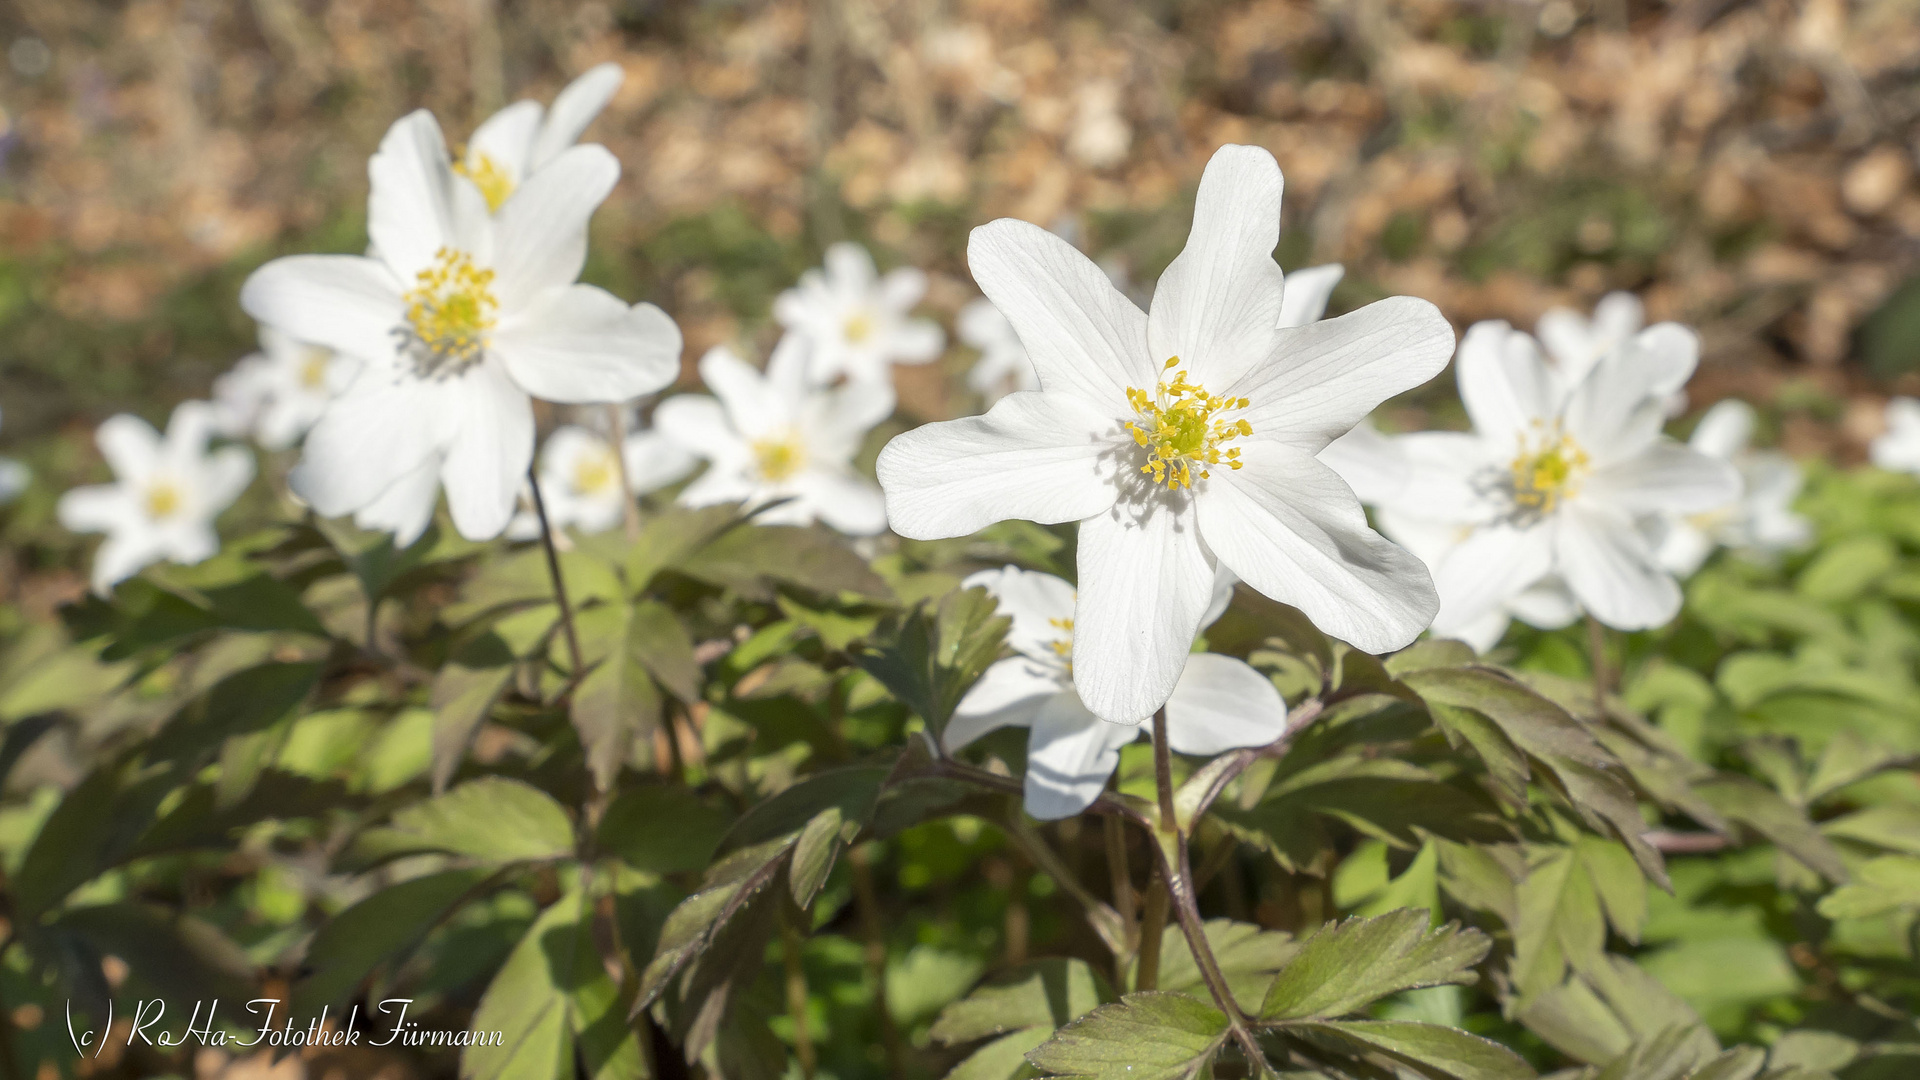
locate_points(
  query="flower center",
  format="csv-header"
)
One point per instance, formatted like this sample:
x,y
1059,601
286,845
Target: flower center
x,y
858,328
778,457
1063,646
163,500
494,182
313,367
450,309
1549,468
594,473
1181,430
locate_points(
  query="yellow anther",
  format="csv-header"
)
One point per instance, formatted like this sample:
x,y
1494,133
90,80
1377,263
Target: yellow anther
x,y
451,309
858,327
595,471
495,183
163,501
313,367
1181,430
1549,468
778,458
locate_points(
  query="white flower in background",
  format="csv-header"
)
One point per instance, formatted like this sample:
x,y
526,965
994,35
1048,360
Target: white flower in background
x,y
1761,522
1551,485
1575,343
14,478
276,394
857,321
1003,366
1898,448
165,495
1218,704
1180,440
580,478
519,140
458,320
774,436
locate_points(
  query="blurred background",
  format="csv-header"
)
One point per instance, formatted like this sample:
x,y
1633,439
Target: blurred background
x,y
1746,165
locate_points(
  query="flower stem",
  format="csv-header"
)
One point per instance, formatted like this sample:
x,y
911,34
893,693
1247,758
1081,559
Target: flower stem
x,y
803,1051
1153,925
875,933
1124,903
629,505
553,568
1597,659
1163,771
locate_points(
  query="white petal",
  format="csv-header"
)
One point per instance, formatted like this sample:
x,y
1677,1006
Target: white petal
x,y
1037,456
840,418
542,237
345,302
1323,378
1665,476
226,474
1222,704
1446,479
189,542
1482,633
654,460
698,424
1488,568
1070,755
122,556
1218,302
1620,409
1618,316
916,341
754,406
1008,694
574,108
1083,336
1292,530
1308,291
847,503
379,430
1546,604
850,270
14,478
1725,430
902,288
102,508
487,460
1674,352
1373,465
582,345
130,445
507,138
1037,603
1681,548
1224,581
1505,385
405,508
409,212
1145,581
1608,567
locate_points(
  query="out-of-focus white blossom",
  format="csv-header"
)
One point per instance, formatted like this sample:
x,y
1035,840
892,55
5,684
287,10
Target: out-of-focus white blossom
x,y
1575,343
1003,366
276,394
858,322
14,478
165,494
580,478
1761,522
1898,448
521,139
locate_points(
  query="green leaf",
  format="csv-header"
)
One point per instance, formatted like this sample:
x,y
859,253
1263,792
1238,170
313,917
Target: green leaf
x,y
1810,1048
746,559
1449,1051
348,946
178,956
731,885
95,825
1739,1063
1153,1035
661,645
1765,812
1248,956
1561,922
493,820
551,994
1597,1015
929,659
668,536
1882,885
1002,1059
464,692
1349,965
243,703
1895,826
1044,994
617,700
662,828
1669,1055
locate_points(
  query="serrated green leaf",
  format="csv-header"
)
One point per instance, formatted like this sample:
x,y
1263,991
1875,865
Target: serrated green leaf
x,y
493,820
661,645
1448,1051
1348,965
669,536
1597,1015
662,828
1560,923
464,692
1889,883
1739,1063
814,852
746,559
1044,994
1002,1059
1765,812
1153,1035
1248,956
930,658
1895,826
729,887
617,700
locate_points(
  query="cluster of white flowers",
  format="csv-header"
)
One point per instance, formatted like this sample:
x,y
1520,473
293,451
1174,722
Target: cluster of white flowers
x,y
1218,437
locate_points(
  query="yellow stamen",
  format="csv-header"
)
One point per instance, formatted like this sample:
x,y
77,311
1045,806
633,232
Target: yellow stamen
x,y
858,327
313,367
494,182
594,472
1063,646
451,309
1178,426
1549,468
779,458
163,500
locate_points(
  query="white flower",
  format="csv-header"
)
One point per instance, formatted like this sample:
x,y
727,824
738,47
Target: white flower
x,y
457,320
1552,484
521,139
1761,522
774,436
1219,703
857,321
1898,448
1180,440
165,495
276,394
14,478
1575,343
1003,366
580,478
